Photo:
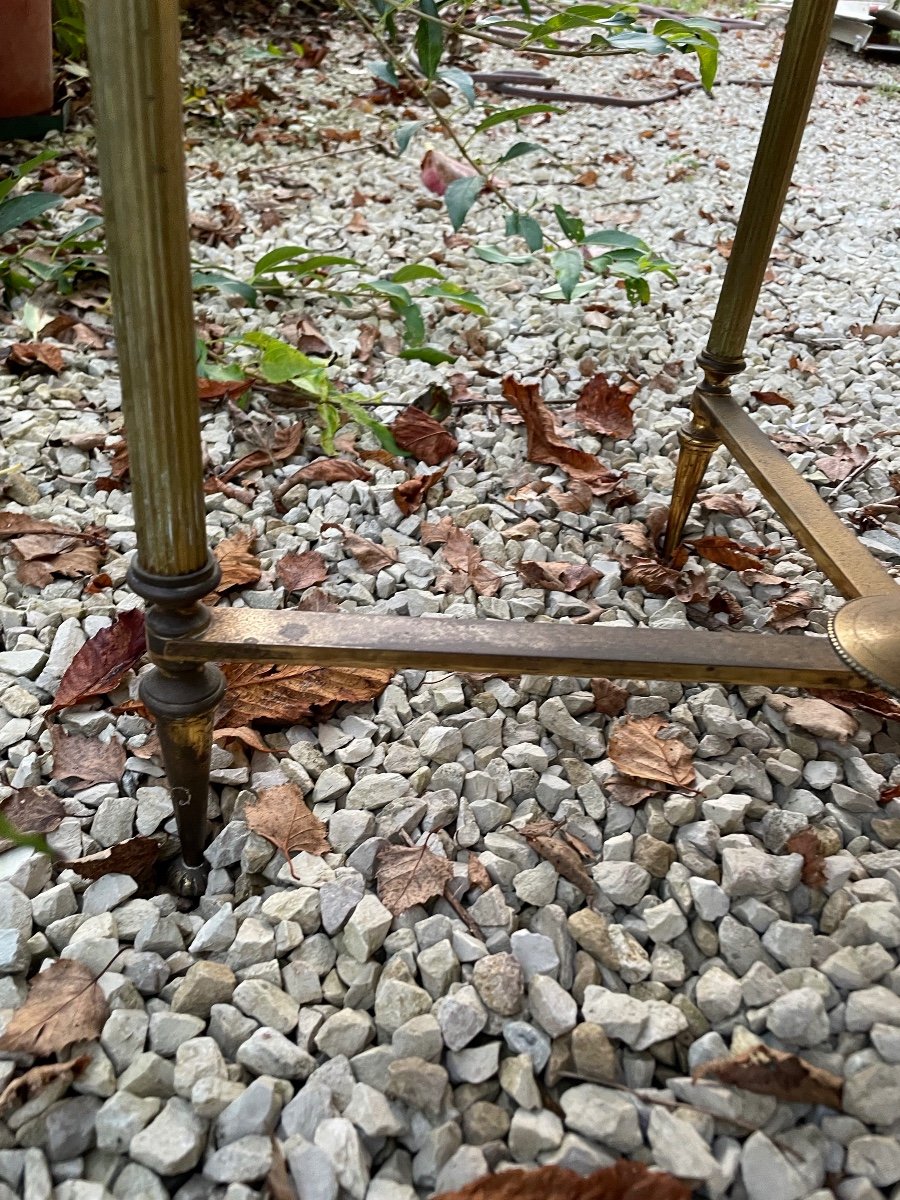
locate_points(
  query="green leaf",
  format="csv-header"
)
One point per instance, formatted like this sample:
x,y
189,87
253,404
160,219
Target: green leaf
x,y
637,291
406,133
281,363
493,254
459,197
567,266
429,39
316,262
224,283
278,256
520,225
415,271
427,354
385,72
461,80
359,414
413,324
572,227
521,148
458,295
19,210
708,61
615,237
396,293
330,419
638,41
514,114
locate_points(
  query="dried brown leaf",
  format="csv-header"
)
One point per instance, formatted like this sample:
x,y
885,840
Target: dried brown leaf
x,y
103,661
420,434
629,792
622,1180
239,566
87,759
772,399
32,810
875,701
371,556
316,599
31,357
299,571
33,1082
467,568
288,694
610,697
279,1185
791,610
726,502
282,818
770,1072
243,734
135,857
729,553
328,470
435,533
655,577
559,854
477,872
880,329
578,498
841,462
545,444
605,408
18,525
64,1005
805,842
558,576
210,390
636,749
410,495
284,444
410,875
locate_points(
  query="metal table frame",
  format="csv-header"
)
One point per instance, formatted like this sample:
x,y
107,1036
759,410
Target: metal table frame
x,y
137,93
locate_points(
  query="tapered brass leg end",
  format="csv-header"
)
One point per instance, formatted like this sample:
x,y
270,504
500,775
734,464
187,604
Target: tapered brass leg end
x,y
188,882
697,443
866,634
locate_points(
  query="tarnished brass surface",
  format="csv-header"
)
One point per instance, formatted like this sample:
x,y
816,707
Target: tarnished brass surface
x,y
133,48
866,634
836,549
697,442
513,648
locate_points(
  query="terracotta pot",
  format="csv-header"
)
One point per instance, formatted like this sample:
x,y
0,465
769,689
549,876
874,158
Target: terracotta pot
x,y
26,57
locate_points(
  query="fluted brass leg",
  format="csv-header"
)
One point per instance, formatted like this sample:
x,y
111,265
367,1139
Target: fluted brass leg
x,y
696,444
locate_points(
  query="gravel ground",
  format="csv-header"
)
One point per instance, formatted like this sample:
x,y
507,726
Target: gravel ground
x,y
396,1058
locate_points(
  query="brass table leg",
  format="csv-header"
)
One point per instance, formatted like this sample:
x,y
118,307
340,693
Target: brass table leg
x,y
133,47
786,116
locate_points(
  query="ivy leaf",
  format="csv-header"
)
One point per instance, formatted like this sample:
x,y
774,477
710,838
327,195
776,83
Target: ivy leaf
x,y
459,197
567,266
429,39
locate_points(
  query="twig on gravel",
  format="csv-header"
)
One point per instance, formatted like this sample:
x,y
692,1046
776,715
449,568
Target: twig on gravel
x,y
302,162
854,474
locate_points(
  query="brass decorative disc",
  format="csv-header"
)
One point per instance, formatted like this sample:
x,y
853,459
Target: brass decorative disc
x,y
866,634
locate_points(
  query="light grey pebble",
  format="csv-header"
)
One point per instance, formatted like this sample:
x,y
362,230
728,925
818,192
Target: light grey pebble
x,y
173,1142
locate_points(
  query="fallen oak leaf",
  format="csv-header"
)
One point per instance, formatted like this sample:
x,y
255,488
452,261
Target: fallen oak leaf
x,y
559,854
26,1087
88,759
103,661
410,875
135,857
605,408
769,1072
64,1005
31,811
288,694
410,495
420,434
545,444
636,749
299,571
282,818
239,566
558,576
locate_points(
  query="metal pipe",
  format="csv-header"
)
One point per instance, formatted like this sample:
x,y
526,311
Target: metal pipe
x,y
133,49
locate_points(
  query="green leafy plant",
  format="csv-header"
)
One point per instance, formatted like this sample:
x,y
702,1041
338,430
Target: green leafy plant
x,y
18,209
68,29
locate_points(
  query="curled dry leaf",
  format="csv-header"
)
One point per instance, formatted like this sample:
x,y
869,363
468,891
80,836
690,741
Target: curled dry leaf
x,y
327,470
769,1072
467,568
622,1180
420,434
31,811
605,408
371,556
439,170
841,462
807,843
877,702
32,357
791,610
814,715
545,444
727,604
87,759
654,576
136,857
73,564
282,818
726,502
288,694
299,571
33,1082
410,875
103,661
246,736
729,553
239,566
477,872
64,1005
610,697
284,445
773,399
636,749
563,856
882,329
211,390
576,499
558,576
410,495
